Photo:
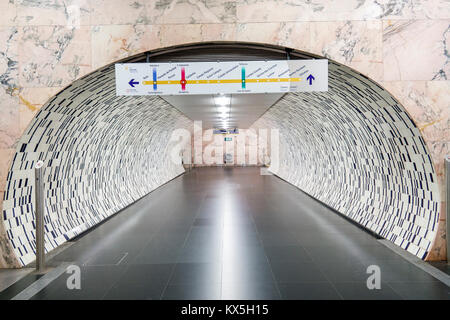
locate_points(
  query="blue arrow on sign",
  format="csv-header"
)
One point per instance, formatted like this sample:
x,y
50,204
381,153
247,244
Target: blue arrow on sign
x,y
132,82
310,78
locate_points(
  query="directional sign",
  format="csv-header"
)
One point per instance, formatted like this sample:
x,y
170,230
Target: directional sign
x,y
221,77
132,83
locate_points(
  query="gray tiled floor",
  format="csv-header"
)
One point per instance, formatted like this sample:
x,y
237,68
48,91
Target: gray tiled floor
x,y
223,233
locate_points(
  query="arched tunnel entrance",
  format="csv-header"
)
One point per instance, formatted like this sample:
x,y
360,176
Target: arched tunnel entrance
x,y
353,152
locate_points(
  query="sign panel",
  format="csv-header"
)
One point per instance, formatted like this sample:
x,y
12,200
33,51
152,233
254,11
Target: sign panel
x,y
225,131
228,77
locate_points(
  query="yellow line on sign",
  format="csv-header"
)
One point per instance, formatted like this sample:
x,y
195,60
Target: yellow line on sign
x,y
274,80
222,81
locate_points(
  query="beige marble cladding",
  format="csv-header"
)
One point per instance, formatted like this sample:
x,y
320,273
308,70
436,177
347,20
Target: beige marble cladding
x,y
290,34
218,32
45,45
113,42
9,56
9,121
414,9
119,12
192,11
30,101
133,12
326,10
357,44
416,50
53,12
9,13
9,113
173,34
303,10
53,56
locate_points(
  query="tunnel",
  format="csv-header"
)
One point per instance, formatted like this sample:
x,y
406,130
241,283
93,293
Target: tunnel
x,y
352,152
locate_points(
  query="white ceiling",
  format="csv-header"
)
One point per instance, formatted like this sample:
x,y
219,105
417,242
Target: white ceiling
x,y
244,109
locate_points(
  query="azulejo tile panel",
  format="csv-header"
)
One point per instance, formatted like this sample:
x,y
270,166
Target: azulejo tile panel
x,y
356,149
101,153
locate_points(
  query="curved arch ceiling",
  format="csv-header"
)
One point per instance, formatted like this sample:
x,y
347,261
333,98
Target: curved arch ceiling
x,y
354,148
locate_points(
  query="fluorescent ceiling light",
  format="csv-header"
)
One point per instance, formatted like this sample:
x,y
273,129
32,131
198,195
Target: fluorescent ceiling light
x,y
222,101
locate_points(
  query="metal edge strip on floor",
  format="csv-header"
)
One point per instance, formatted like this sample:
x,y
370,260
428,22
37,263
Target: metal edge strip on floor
x,y
43,282
434,272
15,276
25,295
49,256
53,253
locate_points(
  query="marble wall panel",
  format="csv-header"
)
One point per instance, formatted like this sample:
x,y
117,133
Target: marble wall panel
x,y
119,12
173,34
325,10
30,101
9,56
9,13
357,44
9,116
192,11
218,32
53,56
51,13
290,34
416,50
9,120
414,9
303,10
113,42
